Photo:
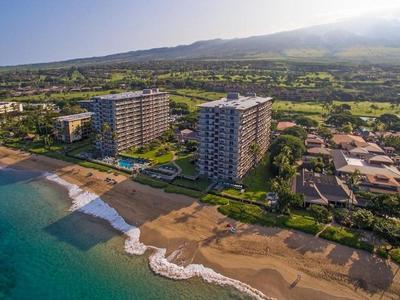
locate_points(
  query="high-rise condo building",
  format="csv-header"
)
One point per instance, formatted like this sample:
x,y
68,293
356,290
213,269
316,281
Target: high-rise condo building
x,y
234,135
129,119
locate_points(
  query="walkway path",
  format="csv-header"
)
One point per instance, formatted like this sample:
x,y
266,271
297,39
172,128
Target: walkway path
x,y
323,229
175,164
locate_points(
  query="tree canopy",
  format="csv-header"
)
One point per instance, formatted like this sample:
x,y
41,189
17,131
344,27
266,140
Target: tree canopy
x,y
306,122
339,120
297,131
295,145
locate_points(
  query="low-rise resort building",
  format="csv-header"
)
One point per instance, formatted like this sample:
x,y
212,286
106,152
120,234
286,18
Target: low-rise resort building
x,y
377,172
69,129
10,107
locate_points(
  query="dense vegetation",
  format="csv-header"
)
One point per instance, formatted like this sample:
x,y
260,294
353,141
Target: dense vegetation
x,y
281,80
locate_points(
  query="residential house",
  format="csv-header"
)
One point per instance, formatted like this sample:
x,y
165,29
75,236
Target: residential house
x,y
282,125
322,189
379,166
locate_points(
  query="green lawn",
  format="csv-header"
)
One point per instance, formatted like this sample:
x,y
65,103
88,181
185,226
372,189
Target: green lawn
x,y
214,200
191,102
169,188
201,94
187,167
61,96
302,221
395,255
151,182
56,151
76,148
151,155
298,220
184,191
36,147
247,213
200,184
255,183
253,214
346,237
357,108
117,76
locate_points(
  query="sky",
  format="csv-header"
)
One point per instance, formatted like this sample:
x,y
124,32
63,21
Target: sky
x,y
33,31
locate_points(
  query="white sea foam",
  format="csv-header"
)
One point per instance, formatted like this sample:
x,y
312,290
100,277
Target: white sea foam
x,y
91,204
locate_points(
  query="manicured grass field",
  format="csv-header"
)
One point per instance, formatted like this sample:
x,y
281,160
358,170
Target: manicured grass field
x,y
117,76
200,184
169,188
180,190
70,96
214,200
298,220
191,102
201,94
255,183
372,109
57,151
36,147
187,167
253,214
395,255
345,237
151,155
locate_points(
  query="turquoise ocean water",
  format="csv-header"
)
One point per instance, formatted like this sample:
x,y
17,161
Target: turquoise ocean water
x,y
47,252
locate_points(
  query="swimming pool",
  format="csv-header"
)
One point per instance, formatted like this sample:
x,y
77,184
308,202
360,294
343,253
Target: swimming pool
x,y
131,163
125,163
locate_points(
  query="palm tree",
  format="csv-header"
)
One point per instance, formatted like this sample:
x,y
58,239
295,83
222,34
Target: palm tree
x,y
105,128
352,182
255,151
283,162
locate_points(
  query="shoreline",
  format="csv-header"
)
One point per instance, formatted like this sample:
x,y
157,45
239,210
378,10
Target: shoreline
x,y
267,259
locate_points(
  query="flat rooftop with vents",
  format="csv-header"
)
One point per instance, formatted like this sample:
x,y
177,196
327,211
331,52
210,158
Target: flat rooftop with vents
x,y
237,101
130,95
75,117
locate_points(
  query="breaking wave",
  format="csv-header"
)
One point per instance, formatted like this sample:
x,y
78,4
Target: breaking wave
x,y
92,204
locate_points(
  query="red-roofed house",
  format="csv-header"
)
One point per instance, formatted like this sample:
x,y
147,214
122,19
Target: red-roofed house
x,y
284,125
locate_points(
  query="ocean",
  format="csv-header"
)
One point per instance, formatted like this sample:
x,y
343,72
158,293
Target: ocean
x,y
49,252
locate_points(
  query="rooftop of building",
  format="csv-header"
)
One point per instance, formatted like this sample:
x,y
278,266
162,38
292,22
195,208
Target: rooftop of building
x,y
282,125
319,151
315,140
75,117
349,139
186,131
5,102
382,180
346,164
381,159
321,189
237,101
130,95
373,147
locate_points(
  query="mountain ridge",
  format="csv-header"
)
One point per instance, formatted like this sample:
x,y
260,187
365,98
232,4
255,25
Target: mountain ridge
x,y
362,40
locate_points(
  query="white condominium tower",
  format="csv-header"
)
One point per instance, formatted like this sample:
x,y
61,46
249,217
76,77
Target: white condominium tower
x,y
234,135
129,119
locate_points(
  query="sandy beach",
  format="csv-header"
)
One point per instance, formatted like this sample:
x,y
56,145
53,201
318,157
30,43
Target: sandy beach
x,y
269,259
